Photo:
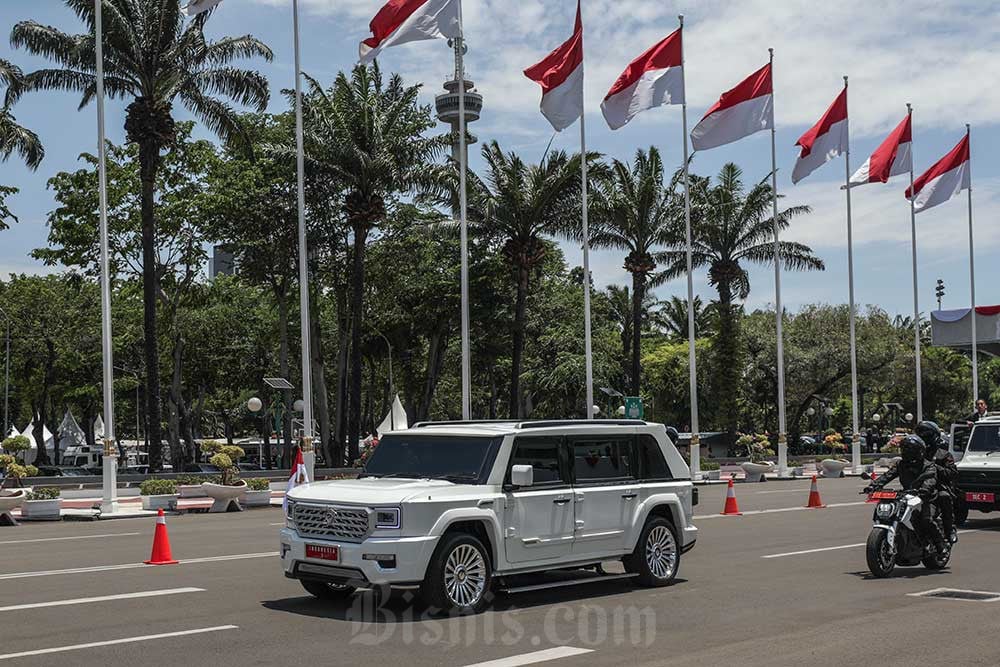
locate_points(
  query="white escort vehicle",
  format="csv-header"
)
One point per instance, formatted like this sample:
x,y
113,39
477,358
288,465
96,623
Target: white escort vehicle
x,y
463,508
979,470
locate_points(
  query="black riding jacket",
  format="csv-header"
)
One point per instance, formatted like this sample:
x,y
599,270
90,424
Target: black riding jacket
x,y
947,471
920,476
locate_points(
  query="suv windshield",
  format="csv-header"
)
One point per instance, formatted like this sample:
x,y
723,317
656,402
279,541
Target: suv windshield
x,y
985,438
460,459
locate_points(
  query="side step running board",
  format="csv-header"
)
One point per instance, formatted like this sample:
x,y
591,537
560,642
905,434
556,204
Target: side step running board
x,y
560,584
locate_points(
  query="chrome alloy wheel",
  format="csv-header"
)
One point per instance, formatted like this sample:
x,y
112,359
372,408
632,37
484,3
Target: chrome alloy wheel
x,y
661,552
465,576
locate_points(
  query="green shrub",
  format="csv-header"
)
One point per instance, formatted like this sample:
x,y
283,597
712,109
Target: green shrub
x,y
259,484
710,465
158,487
44,493
16,444
191,480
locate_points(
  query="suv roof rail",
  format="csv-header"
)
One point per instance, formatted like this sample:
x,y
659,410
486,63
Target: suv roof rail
x,y
541,423
464,422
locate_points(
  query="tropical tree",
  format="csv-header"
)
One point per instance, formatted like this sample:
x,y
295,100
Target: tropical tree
x,y
734,227
154,57
15,138
366,135
620,311
672,317
634,211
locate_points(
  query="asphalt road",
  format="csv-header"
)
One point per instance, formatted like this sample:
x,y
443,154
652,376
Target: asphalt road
x,y
778,586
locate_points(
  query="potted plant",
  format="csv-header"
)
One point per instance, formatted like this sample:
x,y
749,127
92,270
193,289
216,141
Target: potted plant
x,y
158,494
189,486
258,492
227,493
11,499
712,469
758,448
835,464
42,504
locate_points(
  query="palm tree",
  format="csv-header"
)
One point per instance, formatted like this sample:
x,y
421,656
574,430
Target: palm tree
x,y
734,227
621,306
154,57
518,205
634,211
15,138
672,317
368,136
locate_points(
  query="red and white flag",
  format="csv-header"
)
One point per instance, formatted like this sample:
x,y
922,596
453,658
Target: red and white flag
x,y
402,21
740,112
653,79
299,476
195,7
949,176
823,141
892,158
560,74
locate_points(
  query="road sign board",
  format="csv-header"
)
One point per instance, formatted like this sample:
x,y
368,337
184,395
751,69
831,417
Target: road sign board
x,y
634,408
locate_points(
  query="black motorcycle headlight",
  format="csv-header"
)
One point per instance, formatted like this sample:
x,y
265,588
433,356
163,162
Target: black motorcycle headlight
x,y
885,510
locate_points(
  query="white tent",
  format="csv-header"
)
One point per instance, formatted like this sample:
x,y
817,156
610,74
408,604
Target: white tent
x,y
99,428
396,420
49,442
953,328
70,433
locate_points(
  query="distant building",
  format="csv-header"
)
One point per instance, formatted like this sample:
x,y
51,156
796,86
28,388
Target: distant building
x,y
222,262
447,104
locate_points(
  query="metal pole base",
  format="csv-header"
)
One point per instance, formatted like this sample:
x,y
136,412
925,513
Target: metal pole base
x,y
309,458
782,455
109,498
856,453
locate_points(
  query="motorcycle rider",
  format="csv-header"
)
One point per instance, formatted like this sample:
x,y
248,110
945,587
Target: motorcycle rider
x,y
947,474
919,475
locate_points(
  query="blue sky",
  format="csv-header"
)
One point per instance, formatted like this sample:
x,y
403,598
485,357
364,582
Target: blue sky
x,y
941,56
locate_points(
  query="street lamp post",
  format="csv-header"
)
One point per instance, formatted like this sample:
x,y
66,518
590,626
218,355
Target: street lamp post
x,y
6,375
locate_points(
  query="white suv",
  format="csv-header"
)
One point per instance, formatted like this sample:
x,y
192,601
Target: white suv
x,y
979,470
458,507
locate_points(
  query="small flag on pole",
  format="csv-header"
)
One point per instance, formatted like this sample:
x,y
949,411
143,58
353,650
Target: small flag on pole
x,y
949,176
823,141
560,74
892,158
653,79
195,7
299,476
740,112
403,21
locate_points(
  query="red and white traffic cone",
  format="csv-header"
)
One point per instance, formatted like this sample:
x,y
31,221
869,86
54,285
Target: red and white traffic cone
x,y
814,500
731,508
161,543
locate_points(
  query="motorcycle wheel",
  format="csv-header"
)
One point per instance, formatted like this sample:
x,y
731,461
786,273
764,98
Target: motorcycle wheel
x,y
881,559
938,561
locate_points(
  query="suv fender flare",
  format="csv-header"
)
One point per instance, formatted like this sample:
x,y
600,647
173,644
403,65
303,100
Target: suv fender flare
x,y
458,515
670,501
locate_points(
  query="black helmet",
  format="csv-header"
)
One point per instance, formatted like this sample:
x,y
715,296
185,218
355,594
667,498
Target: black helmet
x,y
930,433
912,448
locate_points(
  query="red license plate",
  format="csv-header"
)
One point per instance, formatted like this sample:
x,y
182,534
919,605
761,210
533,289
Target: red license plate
x,y
979,497
322,552
884,495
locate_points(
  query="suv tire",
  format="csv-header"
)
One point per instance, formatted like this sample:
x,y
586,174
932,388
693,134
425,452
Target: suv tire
x,y
324,591
459,576
657,554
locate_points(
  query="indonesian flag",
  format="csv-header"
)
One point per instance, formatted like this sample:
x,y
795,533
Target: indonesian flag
x,y
402,21
740,112
823,141
196,7
892,158
560,74
299,476
653,79
949,176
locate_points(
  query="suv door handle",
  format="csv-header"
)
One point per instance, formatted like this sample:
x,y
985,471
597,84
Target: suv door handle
x,y
561,501
629,496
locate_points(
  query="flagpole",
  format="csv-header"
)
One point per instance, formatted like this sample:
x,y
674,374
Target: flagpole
x,y
109,460
855,422
916,297
972,280
695,451
308,454
782,438
589,363
463,212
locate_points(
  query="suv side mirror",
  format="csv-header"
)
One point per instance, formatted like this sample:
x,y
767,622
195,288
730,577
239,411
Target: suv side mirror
x,y
521,475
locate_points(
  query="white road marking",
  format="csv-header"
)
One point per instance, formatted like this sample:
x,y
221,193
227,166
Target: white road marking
x,y
131,566
76,537
103,598
764,493
930,593
113,642
281,523
781,509
842,546
536,656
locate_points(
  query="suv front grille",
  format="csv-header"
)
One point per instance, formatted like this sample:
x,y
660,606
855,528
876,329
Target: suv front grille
x,y
330,522
978,478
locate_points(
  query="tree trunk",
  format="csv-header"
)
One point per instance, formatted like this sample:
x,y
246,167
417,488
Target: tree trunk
x,y
515,408
149,158
638,289
726,361
322,402
286,396
178,416
436,346
357,307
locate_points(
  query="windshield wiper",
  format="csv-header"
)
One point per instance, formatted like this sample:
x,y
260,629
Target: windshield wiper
x,y
398,475
456,477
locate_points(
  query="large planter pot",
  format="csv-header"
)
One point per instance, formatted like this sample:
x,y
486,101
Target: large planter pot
x,y
227,498
712,475
161,502
755,471
42,510
257,498
10,500
833,467
191,491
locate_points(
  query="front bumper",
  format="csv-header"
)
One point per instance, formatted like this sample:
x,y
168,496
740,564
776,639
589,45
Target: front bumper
x,y
412,554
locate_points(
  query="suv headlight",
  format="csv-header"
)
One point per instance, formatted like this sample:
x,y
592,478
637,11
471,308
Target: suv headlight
x,y
289,514
885,510
387,517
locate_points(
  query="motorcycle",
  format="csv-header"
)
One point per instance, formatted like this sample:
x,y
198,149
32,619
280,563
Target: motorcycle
x,y
894,540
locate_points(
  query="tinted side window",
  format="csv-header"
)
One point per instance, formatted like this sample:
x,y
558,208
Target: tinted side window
x,y
654,466
542,454
604,459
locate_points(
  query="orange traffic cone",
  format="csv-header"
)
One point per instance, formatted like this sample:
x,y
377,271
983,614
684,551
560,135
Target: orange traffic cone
x,y
161,543
814,499
731,508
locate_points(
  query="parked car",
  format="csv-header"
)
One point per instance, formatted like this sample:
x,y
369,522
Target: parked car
x,y
463,508
979,470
